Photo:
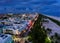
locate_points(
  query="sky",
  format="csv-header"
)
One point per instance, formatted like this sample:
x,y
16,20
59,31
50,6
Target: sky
x,y
48,7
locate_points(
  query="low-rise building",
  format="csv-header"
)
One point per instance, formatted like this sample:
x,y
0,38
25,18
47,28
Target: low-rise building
x,y
15,25
5,38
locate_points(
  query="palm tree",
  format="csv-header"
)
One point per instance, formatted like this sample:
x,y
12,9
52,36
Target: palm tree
x,y
49,30
38,35
56,35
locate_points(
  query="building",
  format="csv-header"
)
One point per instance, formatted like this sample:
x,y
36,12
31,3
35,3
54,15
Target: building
x,y
10,30
5,38
15,25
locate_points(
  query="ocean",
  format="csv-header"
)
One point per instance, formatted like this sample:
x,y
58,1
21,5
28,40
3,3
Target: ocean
x,y
48,7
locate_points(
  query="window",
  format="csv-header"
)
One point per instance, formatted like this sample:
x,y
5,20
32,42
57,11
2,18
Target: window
x,y
4,37
1,35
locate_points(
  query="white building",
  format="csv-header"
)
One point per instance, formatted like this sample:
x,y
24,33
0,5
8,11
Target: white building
x,y
15,25
5,38
16,28
10,30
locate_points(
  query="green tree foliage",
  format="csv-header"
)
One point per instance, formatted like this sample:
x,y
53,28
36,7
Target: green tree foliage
x,y
38,35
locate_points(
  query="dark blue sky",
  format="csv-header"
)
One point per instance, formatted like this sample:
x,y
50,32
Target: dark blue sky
x,y
49,7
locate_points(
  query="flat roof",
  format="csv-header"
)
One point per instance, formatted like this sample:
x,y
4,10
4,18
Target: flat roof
x,y
3,36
